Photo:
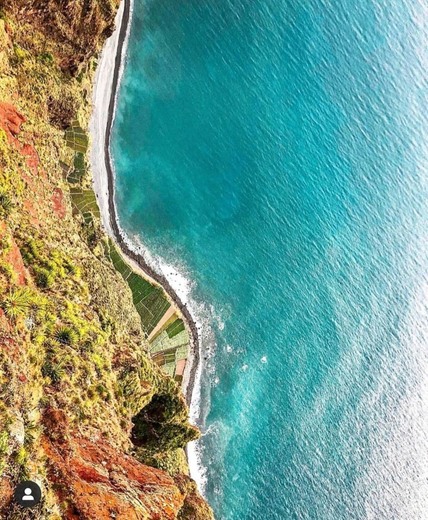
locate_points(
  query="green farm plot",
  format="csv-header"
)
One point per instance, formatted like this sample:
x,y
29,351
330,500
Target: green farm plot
x,y
170,357
85,201
182,352
150,316
79,169
149,300
169,368
175,328
118,261
76,138
142,290
163,342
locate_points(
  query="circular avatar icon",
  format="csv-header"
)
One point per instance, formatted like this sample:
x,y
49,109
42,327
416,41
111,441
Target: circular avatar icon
x,y
28,494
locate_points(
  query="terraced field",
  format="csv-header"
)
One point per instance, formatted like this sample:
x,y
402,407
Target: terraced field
x,y
175,328
170,345
76,138
85,202
150,300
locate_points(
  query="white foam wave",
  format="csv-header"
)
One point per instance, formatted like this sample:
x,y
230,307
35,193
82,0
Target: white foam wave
x,y
176,273
204,316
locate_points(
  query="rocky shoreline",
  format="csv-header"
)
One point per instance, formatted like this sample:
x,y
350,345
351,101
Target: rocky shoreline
x,y
194,355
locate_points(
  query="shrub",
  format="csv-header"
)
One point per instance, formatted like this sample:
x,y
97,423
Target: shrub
x,y
8,271
44,277
99,363
6,204
71,268
103,392
21,456
66,336
135,394
55,267
20,53
4,442
46,57
45,321
47,265
4,446
55,371
19,302
31,251
62,111
32,432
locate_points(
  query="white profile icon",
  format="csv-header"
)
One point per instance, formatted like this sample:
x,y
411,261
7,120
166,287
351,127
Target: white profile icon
x,y
28,495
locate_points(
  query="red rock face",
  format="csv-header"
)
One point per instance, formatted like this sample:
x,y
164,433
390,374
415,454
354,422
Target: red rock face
x,y
10,120
99,482
31,157
6,491
58,202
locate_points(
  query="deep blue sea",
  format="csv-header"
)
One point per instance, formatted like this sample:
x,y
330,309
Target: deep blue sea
x,y
275,152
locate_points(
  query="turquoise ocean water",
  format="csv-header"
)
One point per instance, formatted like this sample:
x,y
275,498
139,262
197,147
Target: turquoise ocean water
x,y
275,152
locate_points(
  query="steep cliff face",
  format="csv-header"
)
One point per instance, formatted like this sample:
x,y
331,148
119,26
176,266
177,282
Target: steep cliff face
x,y
77,27
83,410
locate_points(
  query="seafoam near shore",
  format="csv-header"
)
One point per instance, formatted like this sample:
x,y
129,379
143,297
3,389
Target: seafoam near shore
x,y
175,284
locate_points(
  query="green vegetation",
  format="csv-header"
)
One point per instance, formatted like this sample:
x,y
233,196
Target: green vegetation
x,y
4,449
76,138
172,461
6,204
79,169
66,335
20,302
85,201
175,328
20,54
47,266
54,370
44,277
160,427
46,57
149,300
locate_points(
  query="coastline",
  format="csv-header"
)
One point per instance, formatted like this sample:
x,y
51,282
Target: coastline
x,y
105,91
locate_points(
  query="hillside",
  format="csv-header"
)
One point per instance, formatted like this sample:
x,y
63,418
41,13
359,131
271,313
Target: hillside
x,y
84,410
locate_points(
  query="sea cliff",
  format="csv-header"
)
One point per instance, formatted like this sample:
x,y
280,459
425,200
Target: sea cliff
x,y
85,407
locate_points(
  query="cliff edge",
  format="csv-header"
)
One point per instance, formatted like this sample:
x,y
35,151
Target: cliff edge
x,y
84,411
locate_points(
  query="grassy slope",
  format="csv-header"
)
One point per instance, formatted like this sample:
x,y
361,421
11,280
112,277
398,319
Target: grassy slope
x,y
71,337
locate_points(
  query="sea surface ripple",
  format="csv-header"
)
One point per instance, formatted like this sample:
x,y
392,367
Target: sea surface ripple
x,y
275,153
